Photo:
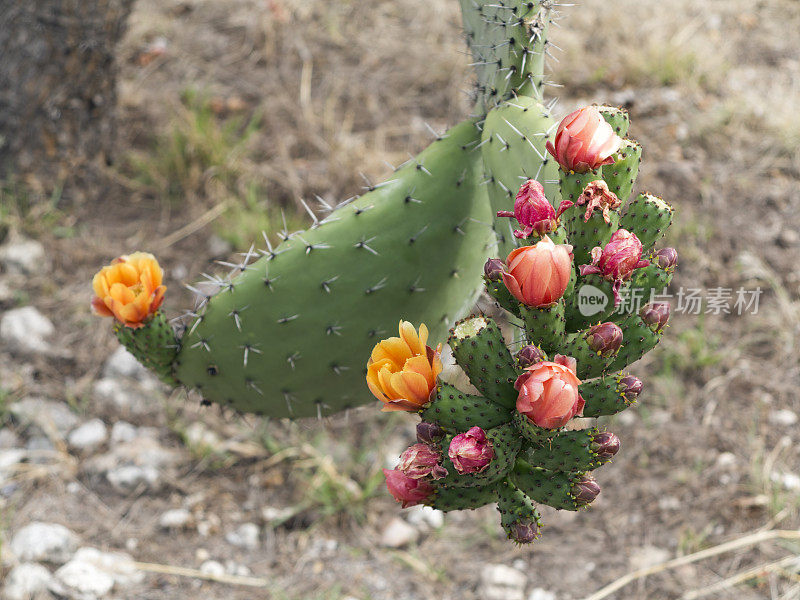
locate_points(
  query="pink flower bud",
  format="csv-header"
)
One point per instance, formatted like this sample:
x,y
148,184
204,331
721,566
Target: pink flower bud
x,y
604,338
429,433
630,387
405,489
655,315
493,269
548,393
606,445
584,141
533,211
538,275
585,490
529,355
597,196
471,452
421,460
666,258
617,261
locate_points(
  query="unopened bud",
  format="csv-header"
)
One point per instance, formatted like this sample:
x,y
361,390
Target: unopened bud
x,y
655,315
493,269
585,490
604,338
530,355
666,258
630,387
606,445
524,532
429,433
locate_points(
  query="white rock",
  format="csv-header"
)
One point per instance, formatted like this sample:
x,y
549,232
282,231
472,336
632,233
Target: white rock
x,y
425,516
44,542
541,594
120,395
791,481
648,556
23,256
45,414
26,330
501,582
669,503
88,436
199,435
398,533
129,477
26,581
726,460
122,431
124,364
177,518
271,514
9,459
120,566
82,580
783,417
234,568
245,536
212,567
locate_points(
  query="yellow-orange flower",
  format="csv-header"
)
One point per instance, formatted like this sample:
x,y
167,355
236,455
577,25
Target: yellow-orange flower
x,y
129,289
402,371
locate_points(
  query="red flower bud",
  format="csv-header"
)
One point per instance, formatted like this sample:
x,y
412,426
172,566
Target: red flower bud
x,y
606,445
584,141
585,490
429,433
655,315
548,393
604,338
666,258
538,275
405,489
630,387
533,211
421,460
529,355
471,452
597,196
493,269
617,261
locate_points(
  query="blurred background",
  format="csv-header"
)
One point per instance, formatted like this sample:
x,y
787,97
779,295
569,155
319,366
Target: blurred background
x,y
188,127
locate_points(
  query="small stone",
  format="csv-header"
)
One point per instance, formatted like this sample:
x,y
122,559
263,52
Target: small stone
x,y
273,514
177,518
124,364
26,581
213,568
398,533
44,542
541,594
128,478
198,435
234,568
209,526
26,331
122,431
81,580
783,417
669,503
726,460
648,556
121,396
45,414
790,481
23,256
245,536
88,436
39,443
118,565
425,516
501,582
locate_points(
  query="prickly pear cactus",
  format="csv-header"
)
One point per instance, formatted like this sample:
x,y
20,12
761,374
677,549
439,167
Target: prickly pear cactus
x,y
572,286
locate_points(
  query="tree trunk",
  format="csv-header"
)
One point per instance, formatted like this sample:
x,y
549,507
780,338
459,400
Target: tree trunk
x,y
57,83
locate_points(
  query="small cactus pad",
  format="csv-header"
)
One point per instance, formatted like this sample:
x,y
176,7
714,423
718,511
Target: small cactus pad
x,y
649,217
606,396
455,411
154,345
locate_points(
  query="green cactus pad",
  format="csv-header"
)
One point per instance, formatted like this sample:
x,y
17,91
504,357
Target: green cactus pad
x,y
513,147
587,306
504,299
585,235
535,435
289,336
154,345
621,175
572,184
462,498
480,350
617,117
506,443
604,396
638,339
553,488
515,507
651,278
567,451
545,326
648,217
455,411
590,364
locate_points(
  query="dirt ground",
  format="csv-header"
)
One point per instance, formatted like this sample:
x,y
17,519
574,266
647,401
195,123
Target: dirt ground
x,y
310,97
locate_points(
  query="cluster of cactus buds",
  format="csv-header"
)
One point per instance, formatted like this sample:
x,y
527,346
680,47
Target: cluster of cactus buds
x,y
518,443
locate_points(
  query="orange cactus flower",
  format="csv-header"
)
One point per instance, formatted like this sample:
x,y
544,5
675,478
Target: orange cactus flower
x,y
402,371
129,289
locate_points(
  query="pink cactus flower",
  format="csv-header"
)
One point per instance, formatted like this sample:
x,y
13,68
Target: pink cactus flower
x,y
617,261
533,211
548,393
471,452
597,196
422,460
405,489
584,141
538,275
